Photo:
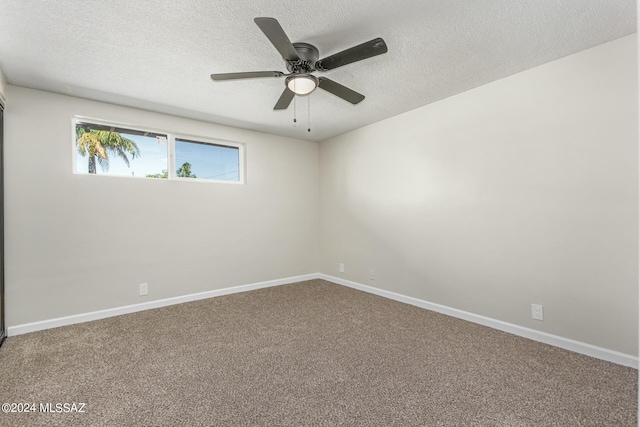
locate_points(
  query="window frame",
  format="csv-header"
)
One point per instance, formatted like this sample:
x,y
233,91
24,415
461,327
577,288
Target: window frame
x,y
171,149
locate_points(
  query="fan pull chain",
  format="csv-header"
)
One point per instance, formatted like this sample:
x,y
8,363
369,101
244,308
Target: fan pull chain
x,y
308,113
294,104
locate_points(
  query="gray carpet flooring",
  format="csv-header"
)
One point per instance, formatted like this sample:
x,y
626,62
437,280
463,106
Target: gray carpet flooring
x,y
310,353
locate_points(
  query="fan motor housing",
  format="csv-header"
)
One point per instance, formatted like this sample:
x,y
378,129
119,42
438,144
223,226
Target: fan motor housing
x,y
308,54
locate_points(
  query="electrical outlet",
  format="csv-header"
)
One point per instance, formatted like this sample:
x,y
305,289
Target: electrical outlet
x,y
144,289
536,312
341,268
372,275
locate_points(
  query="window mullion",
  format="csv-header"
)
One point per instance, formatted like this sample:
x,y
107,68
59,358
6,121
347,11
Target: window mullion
x,y
172,156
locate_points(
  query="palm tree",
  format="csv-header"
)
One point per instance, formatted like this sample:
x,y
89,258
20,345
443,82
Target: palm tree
x,y
98,144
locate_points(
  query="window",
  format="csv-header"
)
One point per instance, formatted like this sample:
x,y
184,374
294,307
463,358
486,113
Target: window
x,y
108,149
207,161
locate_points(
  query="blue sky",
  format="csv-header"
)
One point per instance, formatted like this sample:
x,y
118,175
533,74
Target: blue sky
x,y
207,161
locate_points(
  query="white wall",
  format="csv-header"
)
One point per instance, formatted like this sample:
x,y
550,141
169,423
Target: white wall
x,y
80,243
521,191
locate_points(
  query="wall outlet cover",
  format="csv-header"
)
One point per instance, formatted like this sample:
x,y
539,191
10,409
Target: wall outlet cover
x,y
536,312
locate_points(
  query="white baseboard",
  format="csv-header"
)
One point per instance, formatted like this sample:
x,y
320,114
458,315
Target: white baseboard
x,y
117,311
554,340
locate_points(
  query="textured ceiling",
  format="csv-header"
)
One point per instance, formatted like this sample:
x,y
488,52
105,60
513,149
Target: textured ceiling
x,y
158,55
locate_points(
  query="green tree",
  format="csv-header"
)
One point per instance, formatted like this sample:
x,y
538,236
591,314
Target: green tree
x,y
98,144
164,174
183,171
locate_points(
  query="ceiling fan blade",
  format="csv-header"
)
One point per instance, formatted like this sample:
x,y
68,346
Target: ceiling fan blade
x,y
274,32
357,53
285,100
246,75
338,90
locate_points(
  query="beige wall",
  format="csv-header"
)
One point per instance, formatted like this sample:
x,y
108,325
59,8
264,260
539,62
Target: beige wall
x,y
80,243
518,192
3,89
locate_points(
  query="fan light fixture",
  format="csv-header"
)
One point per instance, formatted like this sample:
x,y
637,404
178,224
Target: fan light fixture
x,y
302,84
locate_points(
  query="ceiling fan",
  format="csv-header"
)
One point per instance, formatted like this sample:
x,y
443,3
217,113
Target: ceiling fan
x,y
302,60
